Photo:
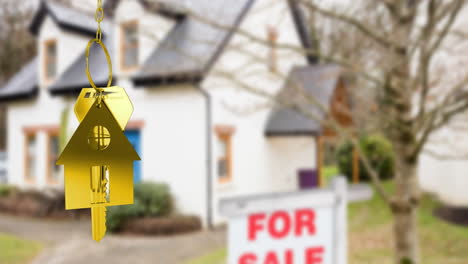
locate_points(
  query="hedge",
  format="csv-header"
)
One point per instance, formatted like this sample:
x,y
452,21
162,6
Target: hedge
x,y
150,200
377,149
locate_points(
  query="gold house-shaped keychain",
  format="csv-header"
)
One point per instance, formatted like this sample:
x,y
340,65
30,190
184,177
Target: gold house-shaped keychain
x,y
98,159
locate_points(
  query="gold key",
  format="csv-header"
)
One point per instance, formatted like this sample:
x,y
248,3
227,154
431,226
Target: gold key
x,y
98,163
99,198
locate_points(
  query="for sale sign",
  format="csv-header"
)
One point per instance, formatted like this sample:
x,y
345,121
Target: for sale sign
x,y
301,235
307,227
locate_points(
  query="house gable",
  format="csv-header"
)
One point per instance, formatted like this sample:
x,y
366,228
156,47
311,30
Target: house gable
x,y
305,85
68,47
73,78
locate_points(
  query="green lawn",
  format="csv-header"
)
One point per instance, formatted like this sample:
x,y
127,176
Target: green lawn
x,y
14,250
370,236
215,257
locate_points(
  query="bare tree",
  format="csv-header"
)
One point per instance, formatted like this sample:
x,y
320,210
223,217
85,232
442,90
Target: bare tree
x,y
14,37
396,51
401,60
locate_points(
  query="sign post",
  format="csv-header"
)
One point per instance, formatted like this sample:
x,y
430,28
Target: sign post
x,y
306,227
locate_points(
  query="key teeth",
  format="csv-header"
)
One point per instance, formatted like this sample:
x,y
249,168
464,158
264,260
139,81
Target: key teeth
x,y
104,221
99,223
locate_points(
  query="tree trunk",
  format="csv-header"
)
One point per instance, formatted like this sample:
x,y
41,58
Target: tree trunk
x,y
406,236
404,209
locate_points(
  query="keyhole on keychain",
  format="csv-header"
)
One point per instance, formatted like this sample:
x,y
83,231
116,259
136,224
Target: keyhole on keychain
x,y
99,138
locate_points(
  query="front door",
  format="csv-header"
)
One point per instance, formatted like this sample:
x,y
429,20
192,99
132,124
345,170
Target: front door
x,y
134,138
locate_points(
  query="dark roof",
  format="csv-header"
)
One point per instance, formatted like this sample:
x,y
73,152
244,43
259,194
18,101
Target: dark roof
x,y
23,85
74,78
193,45
65,17
303,30
317,82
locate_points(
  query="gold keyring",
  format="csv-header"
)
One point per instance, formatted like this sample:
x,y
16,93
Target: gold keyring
x,y
109,63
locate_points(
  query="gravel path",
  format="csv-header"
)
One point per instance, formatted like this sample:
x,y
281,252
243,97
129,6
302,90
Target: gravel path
x,y
70,242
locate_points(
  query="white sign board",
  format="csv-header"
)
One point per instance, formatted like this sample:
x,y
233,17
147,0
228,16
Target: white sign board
x,y
305,227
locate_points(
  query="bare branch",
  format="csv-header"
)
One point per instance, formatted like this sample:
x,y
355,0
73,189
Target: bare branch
x,y
387,43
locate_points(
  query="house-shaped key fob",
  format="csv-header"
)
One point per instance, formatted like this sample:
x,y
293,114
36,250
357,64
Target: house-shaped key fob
x,y
85,150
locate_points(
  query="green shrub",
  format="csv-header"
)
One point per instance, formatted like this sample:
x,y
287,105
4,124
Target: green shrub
x,y
150,200
377,149
5,190
155,198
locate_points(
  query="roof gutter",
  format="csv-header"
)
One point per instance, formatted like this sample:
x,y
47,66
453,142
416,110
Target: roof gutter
x,y
21,96
188,78
297,133
75,89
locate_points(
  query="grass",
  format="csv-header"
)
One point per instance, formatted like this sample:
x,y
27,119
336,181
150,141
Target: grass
x,y
14,250
371,231
370,236
215,257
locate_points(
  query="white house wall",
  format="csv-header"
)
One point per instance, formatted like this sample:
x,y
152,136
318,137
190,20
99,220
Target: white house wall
x,y
443,165
445,178
260,164
173,136
42,112
173,141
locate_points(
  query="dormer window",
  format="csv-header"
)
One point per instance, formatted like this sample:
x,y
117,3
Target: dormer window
x,y
129,45
50,59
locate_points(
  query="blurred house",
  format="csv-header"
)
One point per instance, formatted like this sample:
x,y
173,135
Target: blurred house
x,y
443,165
195,126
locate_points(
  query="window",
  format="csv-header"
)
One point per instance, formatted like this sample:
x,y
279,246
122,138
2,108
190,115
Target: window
x,y
31,158
129,45
50,59
224,161
41,150
53,170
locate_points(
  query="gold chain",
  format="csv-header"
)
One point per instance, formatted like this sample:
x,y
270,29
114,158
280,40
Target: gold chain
x,y
99,17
